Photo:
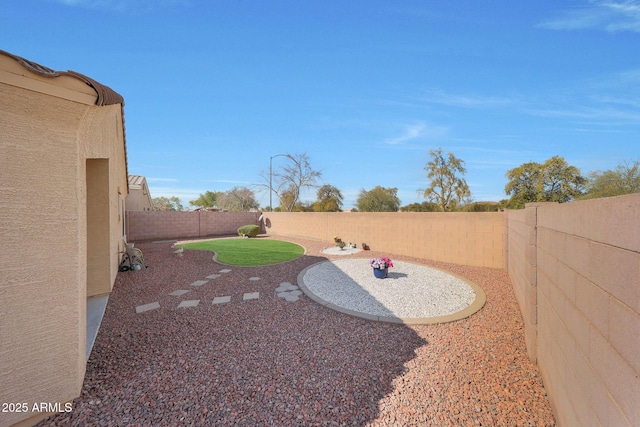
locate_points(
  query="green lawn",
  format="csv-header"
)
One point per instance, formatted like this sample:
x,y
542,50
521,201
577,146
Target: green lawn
x,y
249,251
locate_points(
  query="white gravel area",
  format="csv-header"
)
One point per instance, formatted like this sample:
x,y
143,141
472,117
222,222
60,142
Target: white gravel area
x,y
337,251
409,291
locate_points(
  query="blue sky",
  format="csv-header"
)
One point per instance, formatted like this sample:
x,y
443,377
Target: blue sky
x,y
366,88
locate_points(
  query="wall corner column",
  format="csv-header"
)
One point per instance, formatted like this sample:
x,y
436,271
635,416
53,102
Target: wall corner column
x,y
530,309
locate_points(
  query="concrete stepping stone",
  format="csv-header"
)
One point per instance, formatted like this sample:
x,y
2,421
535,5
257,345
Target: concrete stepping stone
x,y
178,293
225,270
221,300
254,278
146,307
199,282
288,291
190,303
286,286
250,295
213,276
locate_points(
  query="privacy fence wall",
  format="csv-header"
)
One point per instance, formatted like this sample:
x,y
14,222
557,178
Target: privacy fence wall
x,y
477,239
575,270
161,225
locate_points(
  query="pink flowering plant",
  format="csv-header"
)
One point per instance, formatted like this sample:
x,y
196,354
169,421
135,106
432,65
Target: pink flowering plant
x,y
381,263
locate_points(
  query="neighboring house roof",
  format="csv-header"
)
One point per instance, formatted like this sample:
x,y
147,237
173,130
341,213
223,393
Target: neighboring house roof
x,y
139,183
136,180
105,95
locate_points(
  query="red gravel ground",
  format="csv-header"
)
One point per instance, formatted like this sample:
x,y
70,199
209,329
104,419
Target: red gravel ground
x,y
273,362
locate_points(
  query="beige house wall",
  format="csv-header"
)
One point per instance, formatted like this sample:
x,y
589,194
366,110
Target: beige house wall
x,y
167,225
583,261
139,198
49,127
477,239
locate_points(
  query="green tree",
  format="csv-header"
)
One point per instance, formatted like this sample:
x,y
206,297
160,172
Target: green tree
x,y
167,204
421,207
329,199
482,207
288,199
237,199
552,181
303,207
378,199
625,179
448,188
208,199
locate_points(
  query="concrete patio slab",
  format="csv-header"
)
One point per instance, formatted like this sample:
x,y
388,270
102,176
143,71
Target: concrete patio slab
x,y
221,300
251,295
178,293
95,311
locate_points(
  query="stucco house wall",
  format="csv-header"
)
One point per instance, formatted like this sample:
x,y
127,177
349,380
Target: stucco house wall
x,y
139,198
63,181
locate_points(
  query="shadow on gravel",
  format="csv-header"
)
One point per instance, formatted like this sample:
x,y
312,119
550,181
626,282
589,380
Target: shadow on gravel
x,y
259,362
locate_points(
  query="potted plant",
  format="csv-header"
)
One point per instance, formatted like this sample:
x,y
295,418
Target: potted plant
x,y
381,266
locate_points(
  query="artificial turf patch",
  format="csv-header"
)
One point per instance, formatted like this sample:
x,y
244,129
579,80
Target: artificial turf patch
x,y
247,252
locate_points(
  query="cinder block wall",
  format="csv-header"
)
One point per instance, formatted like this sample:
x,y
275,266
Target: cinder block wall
x,y
587,282
164,225
522,268
477,239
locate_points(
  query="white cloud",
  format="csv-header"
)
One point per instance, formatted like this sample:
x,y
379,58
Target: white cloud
x,y
467,101
419,130
608,15
611,116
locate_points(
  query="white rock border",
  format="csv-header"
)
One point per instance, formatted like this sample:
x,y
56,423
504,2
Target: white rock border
x,y
412,294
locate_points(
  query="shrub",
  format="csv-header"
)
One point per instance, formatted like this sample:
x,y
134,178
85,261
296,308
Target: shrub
x,y
249,230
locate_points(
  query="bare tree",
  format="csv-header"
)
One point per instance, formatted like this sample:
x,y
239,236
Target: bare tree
x,y
288,180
